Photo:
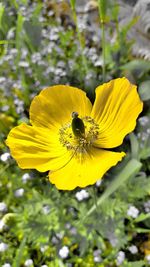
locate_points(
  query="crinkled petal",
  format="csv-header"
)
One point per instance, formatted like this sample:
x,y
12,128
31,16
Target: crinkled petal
x,y
37,148
116,108
54,106
85,169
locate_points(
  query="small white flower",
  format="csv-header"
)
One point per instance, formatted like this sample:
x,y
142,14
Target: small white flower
x,y
95,38
6,265
28,263
41,19
44,265
17,84
25,177
50,70
24,53
133,212
49,14
2,79
99,182
83,194
46,209
73,231
144,136
112,239
97,252
18,102
43,248
2,225
67,225
61,64
147,257
148,130
58,71
19,192
133,249
147,206
144,120
5,108
3,247
4,157
10,34
59,235
13,51
23,64
8,57
98,63
120,257
97,256
97,259
54,240
35,57
64,252
3,207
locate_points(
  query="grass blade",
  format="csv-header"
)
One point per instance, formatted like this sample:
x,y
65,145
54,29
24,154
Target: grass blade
x,y
17,260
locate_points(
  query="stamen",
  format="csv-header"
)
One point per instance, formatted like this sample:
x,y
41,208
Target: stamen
x,y
81,140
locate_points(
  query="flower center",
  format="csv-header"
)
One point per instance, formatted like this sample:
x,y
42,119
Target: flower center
x,y
79,134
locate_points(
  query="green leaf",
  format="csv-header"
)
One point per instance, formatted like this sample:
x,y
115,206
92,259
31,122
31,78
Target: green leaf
x,y
33,31
14,4
131,169
19,26
145,153
18,257
73,4
144,90
142,230
2,42
137,66
4,168
102,8
1,14
37,11
142,217
136,263
134,146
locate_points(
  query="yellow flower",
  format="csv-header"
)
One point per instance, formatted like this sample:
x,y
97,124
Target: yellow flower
x,y
70,138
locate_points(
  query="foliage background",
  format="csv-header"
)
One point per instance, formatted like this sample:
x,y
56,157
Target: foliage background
x,y
41,45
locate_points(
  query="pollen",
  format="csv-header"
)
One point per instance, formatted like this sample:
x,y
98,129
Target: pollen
x,y
79,143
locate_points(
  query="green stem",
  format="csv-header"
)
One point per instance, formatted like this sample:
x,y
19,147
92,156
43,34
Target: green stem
x,y
75,18
95,198
103,52
2,42
101,5
92,191
4,168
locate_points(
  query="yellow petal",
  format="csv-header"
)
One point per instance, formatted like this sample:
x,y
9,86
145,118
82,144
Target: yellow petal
x,y
116,108
54,105
85,169
37,148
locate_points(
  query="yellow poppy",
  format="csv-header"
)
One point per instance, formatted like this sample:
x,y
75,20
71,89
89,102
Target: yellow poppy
x,y
68,137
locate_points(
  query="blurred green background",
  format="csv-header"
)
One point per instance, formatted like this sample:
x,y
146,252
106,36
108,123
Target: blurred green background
x,y
43,43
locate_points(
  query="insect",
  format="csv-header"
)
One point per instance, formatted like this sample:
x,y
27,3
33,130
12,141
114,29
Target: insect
x,y
77,125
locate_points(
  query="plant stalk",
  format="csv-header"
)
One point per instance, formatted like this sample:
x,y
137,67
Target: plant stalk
x,y
102,10
75,18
